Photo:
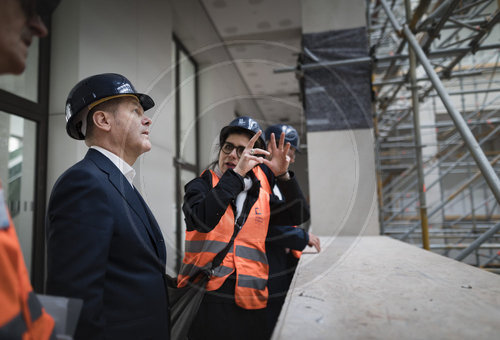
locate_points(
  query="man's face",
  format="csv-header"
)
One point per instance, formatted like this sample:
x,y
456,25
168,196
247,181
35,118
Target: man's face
x,y
17,29
130,129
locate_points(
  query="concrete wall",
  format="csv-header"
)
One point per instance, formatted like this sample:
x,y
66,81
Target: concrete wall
x,y
134,38
342,183
326,15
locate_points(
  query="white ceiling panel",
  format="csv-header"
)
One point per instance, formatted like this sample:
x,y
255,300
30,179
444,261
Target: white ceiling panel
x,y
262,36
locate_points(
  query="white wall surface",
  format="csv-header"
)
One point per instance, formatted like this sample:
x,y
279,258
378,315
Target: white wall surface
x,y
327,15
342,183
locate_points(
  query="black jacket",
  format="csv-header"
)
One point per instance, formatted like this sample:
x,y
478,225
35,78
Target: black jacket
x,y
204,206
105,247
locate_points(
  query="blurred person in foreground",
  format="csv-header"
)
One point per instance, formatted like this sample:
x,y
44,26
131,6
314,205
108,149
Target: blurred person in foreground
x,y
21,315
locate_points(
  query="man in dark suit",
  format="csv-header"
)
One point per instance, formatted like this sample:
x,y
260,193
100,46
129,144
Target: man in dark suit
x,y
103,243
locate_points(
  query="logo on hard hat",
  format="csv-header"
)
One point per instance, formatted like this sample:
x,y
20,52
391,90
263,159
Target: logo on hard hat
x,y
125,88
68,111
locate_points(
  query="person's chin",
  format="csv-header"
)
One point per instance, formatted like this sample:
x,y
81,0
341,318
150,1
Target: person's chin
x,y
146,146
17,65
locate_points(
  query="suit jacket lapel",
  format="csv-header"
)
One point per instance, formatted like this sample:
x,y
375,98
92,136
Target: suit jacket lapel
x,y
160,248
127,192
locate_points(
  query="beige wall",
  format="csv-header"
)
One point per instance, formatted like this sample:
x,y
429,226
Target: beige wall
x,y
326,15
342,184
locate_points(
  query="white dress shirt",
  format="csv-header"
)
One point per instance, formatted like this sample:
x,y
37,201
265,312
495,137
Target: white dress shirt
x,y
123,166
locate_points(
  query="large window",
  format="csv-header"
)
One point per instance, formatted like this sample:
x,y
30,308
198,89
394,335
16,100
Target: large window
x,y
186,108
26,84
23,154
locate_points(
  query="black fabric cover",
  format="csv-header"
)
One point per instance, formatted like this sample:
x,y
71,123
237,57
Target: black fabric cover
x,y
184,305
337,98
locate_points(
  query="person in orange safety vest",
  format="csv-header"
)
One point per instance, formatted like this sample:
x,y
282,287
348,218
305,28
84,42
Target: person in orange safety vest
x,y
229,201
21,315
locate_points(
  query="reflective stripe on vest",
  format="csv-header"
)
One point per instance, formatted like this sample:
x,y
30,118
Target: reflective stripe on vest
x,y
207,246
251,254
14,329
251,282
247,256
34,306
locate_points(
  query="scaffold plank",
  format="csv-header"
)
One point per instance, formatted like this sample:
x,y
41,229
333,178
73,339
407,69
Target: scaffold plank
x,y
375,287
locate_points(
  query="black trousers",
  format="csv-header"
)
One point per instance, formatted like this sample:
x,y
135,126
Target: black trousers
x,y
219,318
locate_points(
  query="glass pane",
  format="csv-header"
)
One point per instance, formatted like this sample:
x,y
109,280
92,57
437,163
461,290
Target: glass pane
x,y
17,171
188,110
173,74
26,84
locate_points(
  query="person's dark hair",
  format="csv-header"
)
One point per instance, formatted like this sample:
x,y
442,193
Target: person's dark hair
x,y
108,106
212,165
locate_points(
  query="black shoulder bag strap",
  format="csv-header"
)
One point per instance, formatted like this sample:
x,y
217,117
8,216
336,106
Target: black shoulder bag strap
x,y
222,254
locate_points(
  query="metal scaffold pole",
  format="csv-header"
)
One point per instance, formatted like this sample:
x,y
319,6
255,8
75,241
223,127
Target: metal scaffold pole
x,y
469,139
418,142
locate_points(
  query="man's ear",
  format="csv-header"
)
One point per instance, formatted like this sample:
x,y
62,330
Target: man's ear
x,y
102,120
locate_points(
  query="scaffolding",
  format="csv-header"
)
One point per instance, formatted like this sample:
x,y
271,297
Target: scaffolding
x,y
437,120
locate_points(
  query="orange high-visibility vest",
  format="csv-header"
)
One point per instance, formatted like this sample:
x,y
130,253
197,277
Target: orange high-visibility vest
x,y
21,315
247,256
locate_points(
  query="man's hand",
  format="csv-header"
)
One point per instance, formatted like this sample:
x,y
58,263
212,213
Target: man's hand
x,y
314,242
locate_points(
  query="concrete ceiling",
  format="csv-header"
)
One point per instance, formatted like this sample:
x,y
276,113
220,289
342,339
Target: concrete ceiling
x,y
261,36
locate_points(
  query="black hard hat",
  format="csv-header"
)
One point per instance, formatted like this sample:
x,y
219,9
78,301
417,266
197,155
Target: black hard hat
x,y
93,89
242,124
291,135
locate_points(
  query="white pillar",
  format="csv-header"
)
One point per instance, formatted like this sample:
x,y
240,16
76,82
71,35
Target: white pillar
x,y
341,162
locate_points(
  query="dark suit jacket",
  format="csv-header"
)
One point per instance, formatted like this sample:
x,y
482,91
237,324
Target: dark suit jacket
x,y
105,247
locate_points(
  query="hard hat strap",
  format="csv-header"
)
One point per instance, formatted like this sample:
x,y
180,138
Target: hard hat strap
x,y
102,100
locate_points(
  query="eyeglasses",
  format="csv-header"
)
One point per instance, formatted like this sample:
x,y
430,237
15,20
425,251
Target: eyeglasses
x,y
227,148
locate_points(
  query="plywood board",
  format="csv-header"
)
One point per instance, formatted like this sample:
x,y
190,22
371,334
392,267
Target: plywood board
x,y
375,287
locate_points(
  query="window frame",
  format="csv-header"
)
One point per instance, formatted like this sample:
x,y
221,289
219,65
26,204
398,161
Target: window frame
x,y
179,163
